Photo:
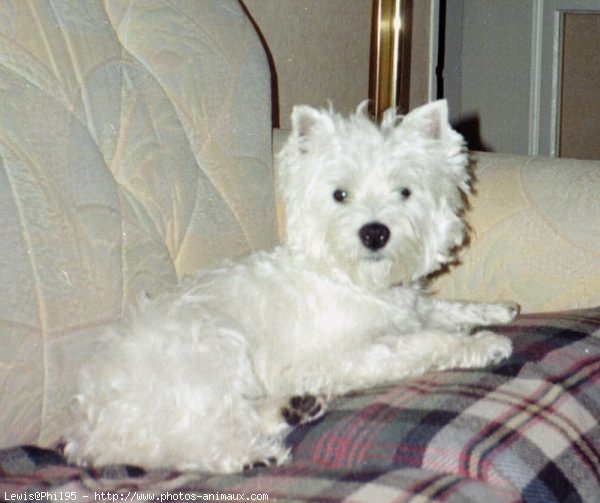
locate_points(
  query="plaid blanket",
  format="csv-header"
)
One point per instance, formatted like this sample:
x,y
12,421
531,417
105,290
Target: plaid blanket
x,y
526,430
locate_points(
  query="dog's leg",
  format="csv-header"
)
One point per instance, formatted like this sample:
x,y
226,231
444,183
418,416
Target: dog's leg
x,y
302,409
397,357
434,350
458,316
280,413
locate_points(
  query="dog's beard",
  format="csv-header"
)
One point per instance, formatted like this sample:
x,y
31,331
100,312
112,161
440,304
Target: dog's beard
x,y
374,274
381,269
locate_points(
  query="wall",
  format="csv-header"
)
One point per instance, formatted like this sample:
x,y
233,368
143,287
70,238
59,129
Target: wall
x,y
503,75
488,81
319,51
421,53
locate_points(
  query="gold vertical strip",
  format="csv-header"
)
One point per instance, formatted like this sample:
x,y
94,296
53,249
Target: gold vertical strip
x,y
390,55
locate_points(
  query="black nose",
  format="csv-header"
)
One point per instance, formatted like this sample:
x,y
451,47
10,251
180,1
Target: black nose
x,y
374,235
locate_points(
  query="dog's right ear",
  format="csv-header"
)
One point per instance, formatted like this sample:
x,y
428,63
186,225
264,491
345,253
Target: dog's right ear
x,y
308,123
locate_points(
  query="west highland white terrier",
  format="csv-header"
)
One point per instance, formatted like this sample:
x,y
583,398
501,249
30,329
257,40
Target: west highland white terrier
x,y
213,375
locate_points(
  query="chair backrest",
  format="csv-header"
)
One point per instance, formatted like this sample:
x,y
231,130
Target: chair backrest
x,y
135,147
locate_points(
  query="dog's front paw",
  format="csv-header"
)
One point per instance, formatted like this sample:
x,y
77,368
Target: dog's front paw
x,y
512,310
491,347
302,409
502,312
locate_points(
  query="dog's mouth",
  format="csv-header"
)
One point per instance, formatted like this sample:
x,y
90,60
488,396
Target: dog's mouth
x,y
374,257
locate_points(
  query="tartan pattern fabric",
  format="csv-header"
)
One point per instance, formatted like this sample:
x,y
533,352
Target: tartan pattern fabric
x,y
526,430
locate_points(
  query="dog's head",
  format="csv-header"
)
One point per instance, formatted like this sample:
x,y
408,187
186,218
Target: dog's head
x,y
381,204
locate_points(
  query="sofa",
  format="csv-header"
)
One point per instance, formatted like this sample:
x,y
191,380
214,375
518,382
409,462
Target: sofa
x,y
136,146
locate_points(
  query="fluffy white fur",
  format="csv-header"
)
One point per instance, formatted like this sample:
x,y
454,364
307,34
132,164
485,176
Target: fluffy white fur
x,y
198,378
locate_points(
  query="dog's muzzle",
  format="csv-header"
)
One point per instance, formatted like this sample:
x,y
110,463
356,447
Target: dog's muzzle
x,y
374,235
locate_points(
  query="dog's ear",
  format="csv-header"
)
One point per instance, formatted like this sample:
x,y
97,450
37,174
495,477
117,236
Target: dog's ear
x,y
430,120
308,122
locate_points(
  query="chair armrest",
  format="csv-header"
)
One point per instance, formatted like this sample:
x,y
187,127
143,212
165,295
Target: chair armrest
x,y
535,234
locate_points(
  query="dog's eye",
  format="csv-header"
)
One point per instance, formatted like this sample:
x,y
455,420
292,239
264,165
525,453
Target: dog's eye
x,y
340,195
404,192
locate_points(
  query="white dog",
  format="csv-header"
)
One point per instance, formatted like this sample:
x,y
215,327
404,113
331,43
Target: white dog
x,y
212,375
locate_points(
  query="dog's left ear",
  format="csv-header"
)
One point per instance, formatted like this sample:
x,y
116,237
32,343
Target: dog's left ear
x,y
430,120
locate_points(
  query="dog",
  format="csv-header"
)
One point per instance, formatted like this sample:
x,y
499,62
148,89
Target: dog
x,y
213,375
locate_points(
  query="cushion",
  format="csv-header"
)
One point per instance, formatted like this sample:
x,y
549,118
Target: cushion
x,y
524,430
536,234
